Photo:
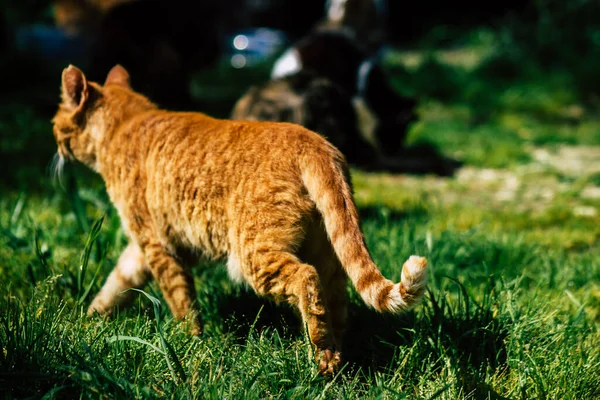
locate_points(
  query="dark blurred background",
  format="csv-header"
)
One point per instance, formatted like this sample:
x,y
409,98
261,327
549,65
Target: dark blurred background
x,y
203,55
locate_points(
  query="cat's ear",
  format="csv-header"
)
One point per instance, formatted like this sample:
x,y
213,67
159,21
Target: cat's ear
x,y
74,87
119,76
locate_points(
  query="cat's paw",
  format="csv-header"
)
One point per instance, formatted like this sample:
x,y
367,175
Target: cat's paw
x,y
194,324
329,362
97,308
196,329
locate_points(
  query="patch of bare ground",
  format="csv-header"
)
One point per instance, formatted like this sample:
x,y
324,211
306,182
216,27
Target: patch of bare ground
x,y
551,178
466,57
573,161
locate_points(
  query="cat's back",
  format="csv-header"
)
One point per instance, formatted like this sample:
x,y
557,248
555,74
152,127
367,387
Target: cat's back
x,y
193,153
179,134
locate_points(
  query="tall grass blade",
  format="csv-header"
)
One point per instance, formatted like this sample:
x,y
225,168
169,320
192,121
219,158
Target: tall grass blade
x,y
86,293
17,210
85,256
31,275
116,338
75,201
465,295
170,354
40,256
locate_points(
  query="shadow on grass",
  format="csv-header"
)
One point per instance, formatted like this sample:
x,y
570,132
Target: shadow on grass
x,y
466,336
28,352
246,312
462,335
417,159
386,215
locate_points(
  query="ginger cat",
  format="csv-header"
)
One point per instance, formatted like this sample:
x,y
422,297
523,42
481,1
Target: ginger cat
x,y
274,199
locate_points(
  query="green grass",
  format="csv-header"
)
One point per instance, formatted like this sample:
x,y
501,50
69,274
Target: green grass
x,y
503,315
512,310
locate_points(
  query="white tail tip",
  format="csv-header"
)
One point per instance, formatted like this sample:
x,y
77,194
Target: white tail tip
x,y
408,293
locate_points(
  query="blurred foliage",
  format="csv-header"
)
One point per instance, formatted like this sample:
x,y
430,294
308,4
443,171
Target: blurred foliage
x,y
555,47
565,35
25,11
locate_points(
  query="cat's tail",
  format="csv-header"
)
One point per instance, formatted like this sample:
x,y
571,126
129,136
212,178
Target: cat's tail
x,y
326,178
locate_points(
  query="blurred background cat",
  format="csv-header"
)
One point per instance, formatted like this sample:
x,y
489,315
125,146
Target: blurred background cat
x,y
341,44
342,53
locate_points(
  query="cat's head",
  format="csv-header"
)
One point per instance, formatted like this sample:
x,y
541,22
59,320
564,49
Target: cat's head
x,y
88,111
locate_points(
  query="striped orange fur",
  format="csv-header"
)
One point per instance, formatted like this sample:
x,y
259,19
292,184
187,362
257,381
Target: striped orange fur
x,y
273,199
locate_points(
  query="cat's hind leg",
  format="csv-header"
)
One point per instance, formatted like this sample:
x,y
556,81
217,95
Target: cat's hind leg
x,y
266,240
131,271
336,295
317,250
280,276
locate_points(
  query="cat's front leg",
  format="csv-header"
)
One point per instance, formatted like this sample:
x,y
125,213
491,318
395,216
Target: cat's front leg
x,y
176,284
131,271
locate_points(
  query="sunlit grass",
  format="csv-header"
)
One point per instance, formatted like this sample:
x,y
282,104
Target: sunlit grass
x,y
512,311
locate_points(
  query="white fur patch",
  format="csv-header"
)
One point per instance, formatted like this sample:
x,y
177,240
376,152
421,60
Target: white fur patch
x,y
362,76
395,302
234,270
131,264
367,120
96,132
414,277
336,10
57,167
414,271
289,63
